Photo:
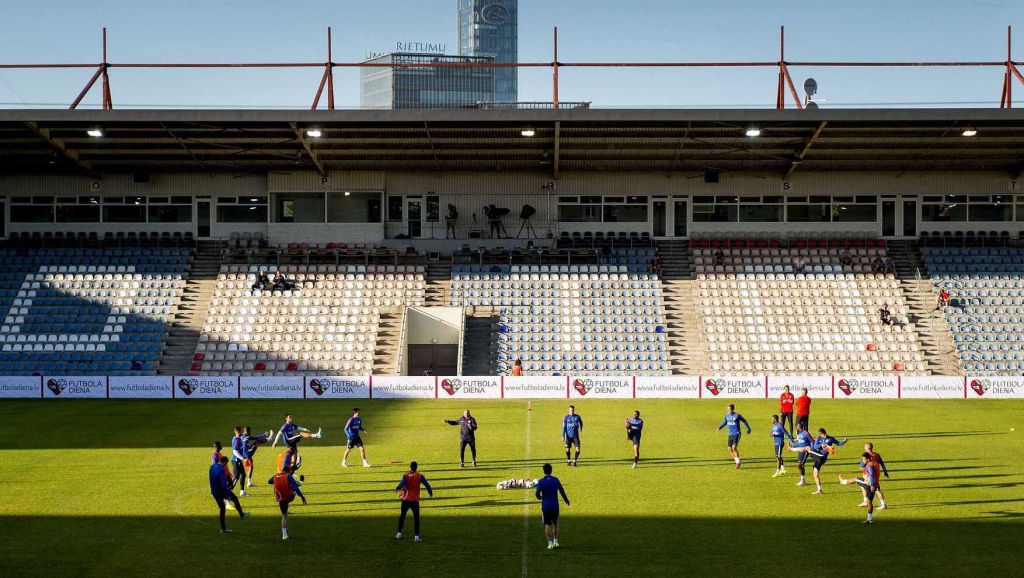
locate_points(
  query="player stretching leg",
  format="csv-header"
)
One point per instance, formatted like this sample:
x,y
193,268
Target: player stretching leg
x,y
634,429
802,445
779,434
548,490
292,433
733,420
868,484
824,446
572,426
467,436
409,492
252,443
879,463
353,429
285,490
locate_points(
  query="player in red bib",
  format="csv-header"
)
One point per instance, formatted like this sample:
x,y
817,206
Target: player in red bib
x,y
409,492
803,409
786,409
285,490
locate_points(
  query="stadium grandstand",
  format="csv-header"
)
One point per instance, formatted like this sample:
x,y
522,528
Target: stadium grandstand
x,y
456,242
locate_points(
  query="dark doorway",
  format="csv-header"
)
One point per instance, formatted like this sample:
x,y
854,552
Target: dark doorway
x,y
202,219
433,359
910,218
888,218
659,218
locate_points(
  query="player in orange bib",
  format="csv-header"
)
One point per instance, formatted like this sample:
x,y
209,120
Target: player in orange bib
x,y
285,490
409,492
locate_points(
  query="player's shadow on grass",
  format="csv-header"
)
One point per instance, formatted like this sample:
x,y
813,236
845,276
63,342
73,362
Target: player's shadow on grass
x,y
923,435
958,503
504,543
958,477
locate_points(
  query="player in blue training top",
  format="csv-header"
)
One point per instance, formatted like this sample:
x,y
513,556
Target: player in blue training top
x,y
548,490
353,429
779,434
634,429
220,489
868,483
572,425
252,443
292,433
824,445
733,420
802,444
238,460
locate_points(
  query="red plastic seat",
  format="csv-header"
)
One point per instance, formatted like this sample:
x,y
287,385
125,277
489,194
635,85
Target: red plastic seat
x,y
292,366
260,366
198,356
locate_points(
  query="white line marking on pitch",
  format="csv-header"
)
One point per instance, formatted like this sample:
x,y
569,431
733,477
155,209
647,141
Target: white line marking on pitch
x,y
526,496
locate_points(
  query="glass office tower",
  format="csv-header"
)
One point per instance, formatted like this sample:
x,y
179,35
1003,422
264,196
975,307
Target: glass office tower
x,y
425,87
491,28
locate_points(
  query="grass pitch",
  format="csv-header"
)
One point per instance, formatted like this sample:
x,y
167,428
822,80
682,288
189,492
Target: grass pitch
x,y
104,487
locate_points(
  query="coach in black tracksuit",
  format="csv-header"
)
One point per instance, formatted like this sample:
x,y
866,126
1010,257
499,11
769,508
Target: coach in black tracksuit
x,y
467,436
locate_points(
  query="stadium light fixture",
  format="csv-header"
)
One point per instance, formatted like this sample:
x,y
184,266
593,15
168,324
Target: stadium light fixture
x,y
314,133
528,131
969,131
753,132
94,132
348,194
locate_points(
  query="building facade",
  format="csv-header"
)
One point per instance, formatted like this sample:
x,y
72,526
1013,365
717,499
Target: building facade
x,y
490,28
390,87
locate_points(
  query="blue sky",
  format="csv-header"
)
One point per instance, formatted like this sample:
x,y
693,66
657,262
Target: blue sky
x,y
593,30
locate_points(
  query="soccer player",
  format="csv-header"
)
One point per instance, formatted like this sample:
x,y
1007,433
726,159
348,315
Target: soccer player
x,y
634,429
289,461
879,463
786,408
353,429
803,409
252,443
548,490
572,425
779,434
733,420
292,433
216,455
238,460
409,491
467,436
802,444
220,489
824,445
285,490
868,484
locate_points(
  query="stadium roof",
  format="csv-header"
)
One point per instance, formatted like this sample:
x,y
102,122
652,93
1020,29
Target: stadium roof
x,y
46,141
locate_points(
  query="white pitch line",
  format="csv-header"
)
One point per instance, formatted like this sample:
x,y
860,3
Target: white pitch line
x,y
526,495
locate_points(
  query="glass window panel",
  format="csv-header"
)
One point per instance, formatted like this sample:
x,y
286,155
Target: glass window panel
x,y
433,209
579,213
394,209
760,213
355,207
625,213
242,213
170,213
847,213
715,213
124,214
78,214
944,212
31,214
298,207
812,213
990,212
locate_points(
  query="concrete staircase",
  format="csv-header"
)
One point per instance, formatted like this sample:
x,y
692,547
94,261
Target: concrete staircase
x,y
439,284
187,321
480,345
687,343
389,341
921,297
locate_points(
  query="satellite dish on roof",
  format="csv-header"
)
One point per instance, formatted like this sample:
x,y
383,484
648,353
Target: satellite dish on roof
x,y
811,104
810,87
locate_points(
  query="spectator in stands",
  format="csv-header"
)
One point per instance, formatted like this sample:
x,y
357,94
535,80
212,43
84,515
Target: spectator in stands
x,y
450,221
799,263
889,265
429,370
261,282
884,315
656,267
877,265
136,365
282,284
943,300
846,259
517,369
719,257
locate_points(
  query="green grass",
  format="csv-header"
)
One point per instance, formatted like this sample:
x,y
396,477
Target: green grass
x,y
99,487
